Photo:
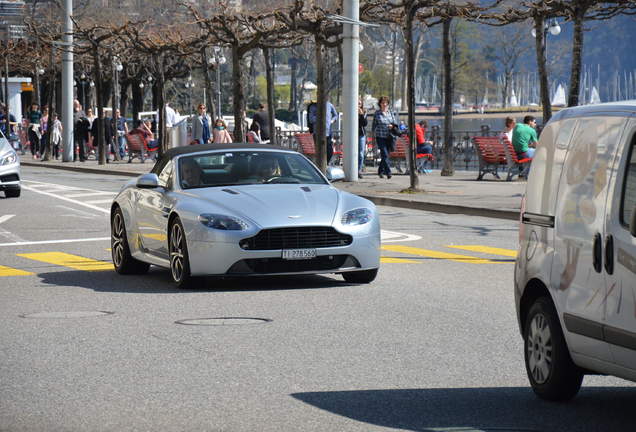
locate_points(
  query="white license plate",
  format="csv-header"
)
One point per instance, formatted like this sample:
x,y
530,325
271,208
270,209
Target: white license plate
x,y
299,254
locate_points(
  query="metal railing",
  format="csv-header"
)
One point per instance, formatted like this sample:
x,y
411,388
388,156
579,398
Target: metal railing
x,y
464,154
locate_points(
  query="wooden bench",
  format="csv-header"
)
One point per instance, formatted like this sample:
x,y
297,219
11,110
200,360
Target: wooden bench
x,y
400,154
138,147
306,146
495,153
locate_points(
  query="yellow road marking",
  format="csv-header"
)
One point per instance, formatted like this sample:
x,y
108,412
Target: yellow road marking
x,y
68,260
8,271
487,249
389,260
439,255
158,237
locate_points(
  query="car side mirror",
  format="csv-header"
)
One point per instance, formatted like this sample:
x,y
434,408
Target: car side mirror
x,y
148,181
632,223
335,174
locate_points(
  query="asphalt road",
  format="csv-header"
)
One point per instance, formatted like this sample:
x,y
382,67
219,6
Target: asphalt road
x,y
431,345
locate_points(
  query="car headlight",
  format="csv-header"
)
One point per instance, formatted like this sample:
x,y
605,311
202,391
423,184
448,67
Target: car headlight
x,y
222,222
358,216
8,158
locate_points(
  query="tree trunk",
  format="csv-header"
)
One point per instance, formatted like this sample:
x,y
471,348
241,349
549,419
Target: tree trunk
x,y
101,148
410,95
506,87
320,142
542,68
577,53
209,89
293,91
161,104
269,73
137,99
448,168
123,98
238,102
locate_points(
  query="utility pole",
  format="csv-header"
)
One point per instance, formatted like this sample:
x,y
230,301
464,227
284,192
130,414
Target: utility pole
x,y
351,50
68,143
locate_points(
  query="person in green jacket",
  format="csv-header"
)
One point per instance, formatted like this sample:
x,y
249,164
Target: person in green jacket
x,y
524,140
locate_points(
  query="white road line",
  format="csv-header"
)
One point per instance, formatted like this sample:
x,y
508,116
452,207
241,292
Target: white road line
x,y
90,194
5,218
100,201
103,210
28,243
10,236
394,236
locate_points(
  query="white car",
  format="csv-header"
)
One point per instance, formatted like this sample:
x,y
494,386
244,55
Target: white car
x,y
9,169
575,276
241,210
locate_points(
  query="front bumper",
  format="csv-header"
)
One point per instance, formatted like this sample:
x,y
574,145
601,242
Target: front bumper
x,y
10,176
217,258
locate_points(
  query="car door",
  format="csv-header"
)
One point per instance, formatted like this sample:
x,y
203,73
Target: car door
x,y
576,275
620,254
153,209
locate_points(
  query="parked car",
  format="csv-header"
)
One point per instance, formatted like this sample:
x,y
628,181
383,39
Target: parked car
x,y
9,169
575,275
241,210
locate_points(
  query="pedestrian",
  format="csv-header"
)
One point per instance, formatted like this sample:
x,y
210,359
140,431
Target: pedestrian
x,y
331,115
220,134
261,117
507,132
362,136
254,134
383,124
172,119
80,131
312,114
423,146
201,126
33,117
55,135
144,128
12,124
44,124
121,129
524,141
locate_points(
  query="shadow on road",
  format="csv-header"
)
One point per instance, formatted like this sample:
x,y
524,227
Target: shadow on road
x,y
477,409
157,281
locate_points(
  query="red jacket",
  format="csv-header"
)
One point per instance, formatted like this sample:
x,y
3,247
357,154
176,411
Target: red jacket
x,y
420,134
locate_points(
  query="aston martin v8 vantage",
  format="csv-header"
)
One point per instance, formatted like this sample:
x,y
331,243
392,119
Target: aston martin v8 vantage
x,y
242,210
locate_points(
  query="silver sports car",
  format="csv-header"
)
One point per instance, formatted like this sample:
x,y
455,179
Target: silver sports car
x,y
241,210
9,169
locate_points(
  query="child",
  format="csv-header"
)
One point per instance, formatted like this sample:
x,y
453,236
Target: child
x,y
254,134
220,134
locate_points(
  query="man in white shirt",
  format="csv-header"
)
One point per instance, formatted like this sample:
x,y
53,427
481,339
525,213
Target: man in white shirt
x,y
507,132
171,120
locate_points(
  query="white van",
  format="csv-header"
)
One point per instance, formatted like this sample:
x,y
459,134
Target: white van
x,y
575,276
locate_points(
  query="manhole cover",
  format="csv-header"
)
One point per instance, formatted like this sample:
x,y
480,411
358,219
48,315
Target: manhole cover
x,y
71,314
223,321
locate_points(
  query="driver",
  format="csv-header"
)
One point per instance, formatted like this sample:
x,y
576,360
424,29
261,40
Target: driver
x,y
190,173
267,168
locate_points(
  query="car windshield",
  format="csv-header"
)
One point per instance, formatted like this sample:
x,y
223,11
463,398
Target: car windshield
x,y
233,168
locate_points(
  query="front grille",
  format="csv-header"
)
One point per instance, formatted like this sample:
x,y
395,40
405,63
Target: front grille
x,y
9,178
296,238
279,265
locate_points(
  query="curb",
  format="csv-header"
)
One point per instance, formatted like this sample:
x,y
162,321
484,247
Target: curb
x,y
377,200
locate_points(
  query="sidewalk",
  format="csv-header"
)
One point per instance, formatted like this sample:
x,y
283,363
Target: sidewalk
x,y
458,194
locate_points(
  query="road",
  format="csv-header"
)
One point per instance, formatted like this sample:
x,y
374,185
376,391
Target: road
x,y
431,345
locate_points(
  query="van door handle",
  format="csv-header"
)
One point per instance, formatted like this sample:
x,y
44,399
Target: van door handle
x,y
609,254
597,257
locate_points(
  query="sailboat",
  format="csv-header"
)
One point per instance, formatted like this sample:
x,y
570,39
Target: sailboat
x,y
594,97
513,99
559,97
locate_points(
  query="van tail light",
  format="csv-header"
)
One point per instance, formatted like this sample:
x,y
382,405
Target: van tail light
x,y
522,227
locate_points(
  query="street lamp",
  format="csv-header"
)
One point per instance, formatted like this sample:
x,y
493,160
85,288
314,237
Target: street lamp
x,y
216,61
189,85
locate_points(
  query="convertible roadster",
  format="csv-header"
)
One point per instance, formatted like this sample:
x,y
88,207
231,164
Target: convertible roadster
x,y
242,210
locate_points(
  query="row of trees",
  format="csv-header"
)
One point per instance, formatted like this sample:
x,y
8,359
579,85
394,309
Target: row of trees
x,y
176,39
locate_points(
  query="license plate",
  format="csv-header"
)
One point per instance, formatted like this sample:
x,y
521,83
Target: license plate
x,y
299,254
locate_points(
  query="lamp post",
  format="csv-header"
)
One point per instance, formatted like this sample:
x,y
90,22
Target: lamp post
x,y
189,85
117,67
554,29
216,60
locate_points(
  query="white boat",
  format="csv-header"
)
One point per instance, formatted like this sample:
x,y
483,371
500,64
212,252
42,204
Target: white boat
x,y
559,97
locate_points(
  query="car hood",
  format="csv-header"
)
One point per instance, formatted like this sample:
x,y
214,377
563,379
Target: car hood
x,y
274,205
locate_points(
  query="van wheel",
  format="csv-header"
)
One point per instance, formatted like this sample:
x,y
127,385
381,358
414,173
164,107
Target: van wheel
x,y
551,371
12,193
361,277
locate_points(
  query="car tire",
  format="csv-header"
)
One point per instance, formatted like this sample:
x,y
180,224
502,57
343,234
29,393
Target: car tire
x,y
361,277
179,258
12,192
120,251
551,371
